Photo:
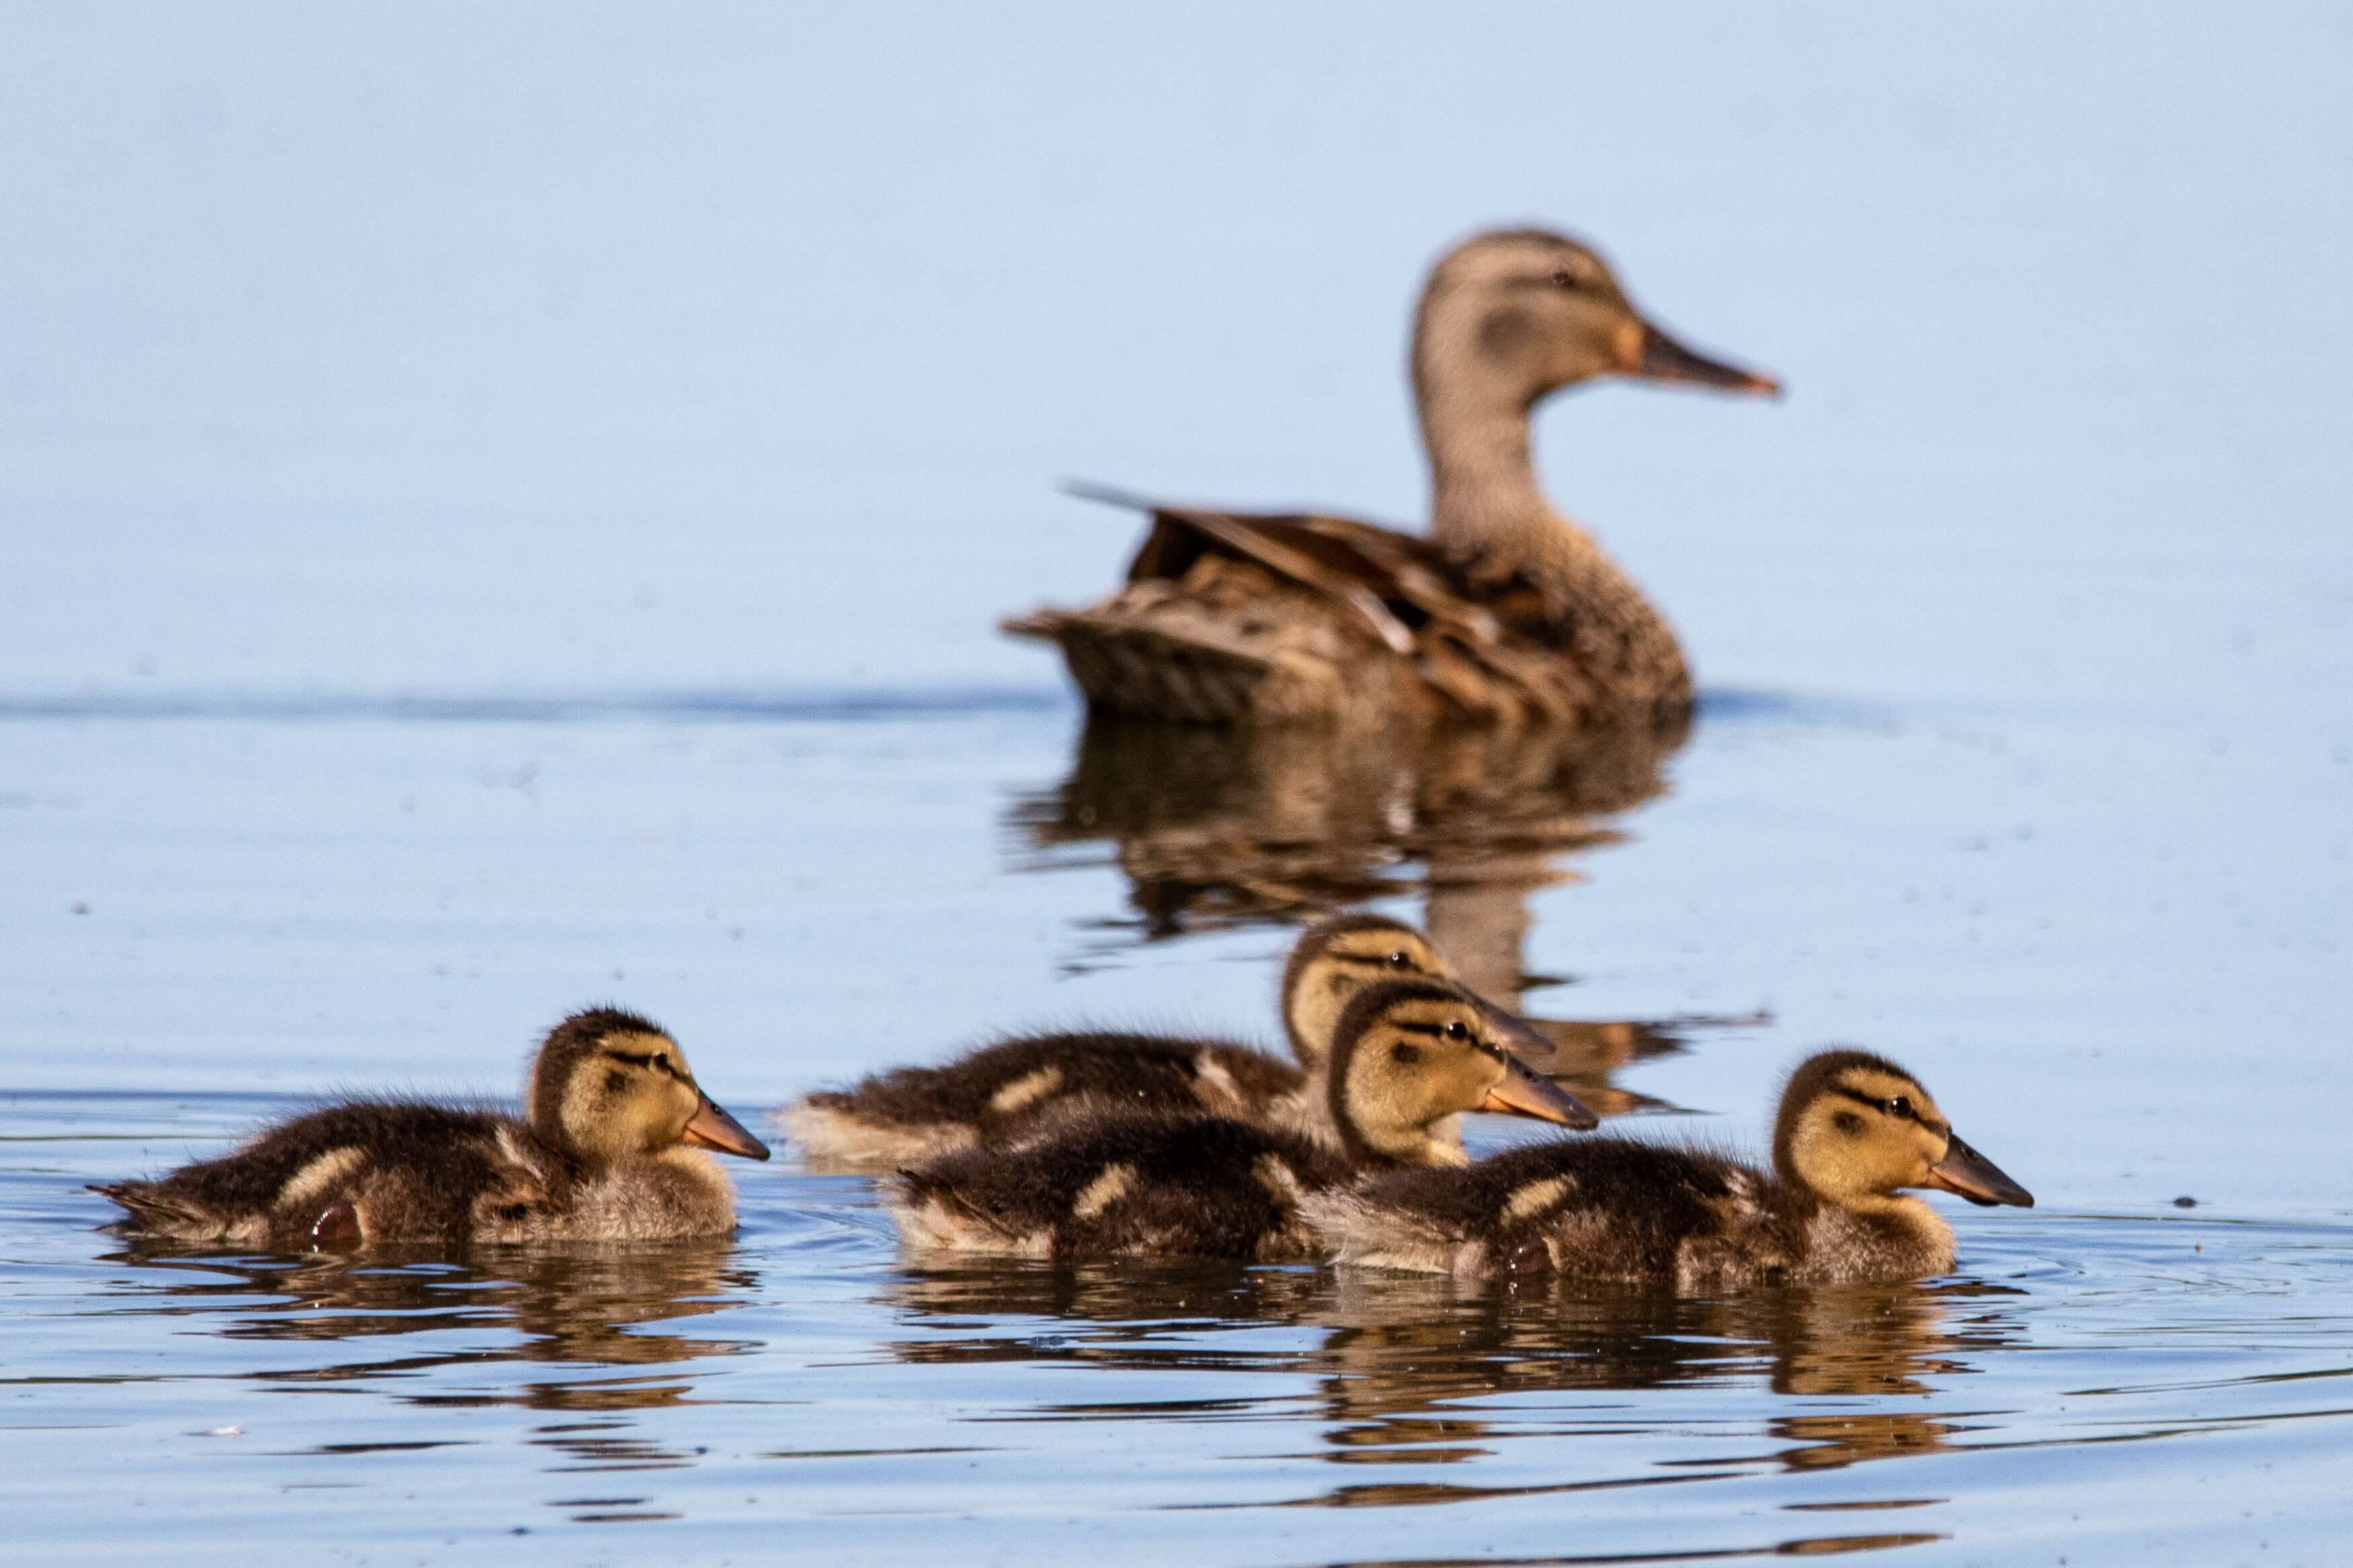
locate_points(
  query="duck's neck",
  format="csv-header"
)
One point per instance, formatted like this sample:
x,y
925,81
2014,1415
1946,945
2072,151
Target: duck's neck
x,y
1488,512
1336,1126
1419,1147
1484,498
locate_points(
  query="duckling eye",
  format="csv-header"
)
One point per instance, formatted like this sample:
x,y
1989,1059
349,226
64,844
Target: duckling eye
x,y
1565,277
1457,1030
1900,1106
1400,959
1405,1054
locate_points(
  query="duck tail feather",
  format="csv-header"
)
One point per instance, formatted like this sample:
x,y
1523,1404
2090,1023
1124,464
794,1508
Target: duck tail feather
x,y
1108,495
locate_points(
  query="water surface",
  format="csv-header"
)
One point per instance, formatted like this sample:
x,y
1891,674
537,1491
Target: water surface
x,y
498,516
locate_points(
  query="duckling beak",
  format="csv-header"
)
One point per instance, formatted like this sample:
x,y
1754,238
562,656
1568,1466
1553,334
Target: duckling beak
x,y
1658,357
1519,1034
711,1128
1973,1176
1523,1093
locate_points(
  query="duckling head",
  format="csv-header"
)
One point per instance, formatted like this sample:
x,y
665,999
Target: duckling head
x,y
609,1085
1409,1053
1857,1129
1335,962
1511,316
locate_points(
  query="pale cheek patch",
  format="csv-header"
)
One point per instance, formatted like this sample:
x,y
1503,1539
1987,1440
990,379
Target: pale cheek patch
x,y
1527,1202
1103,1191
1026,1089
321,1176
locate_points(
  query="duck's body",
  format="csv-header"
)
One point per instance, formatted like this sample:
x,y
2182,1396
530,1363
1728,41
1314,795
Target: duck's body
x,y
1506,611
1406,1056
610,1150
1854,1130
1017,1089
1141,1184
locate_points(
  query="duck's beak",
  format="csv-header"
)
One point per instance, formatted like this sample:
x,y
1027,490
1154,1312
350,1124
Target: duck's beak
x,y
1519,1034
711,1128
1523,1093
1652,355
1970,1174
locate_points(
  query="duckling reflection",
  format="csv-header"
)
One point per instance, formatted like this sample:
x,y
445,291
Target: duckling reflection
x,y
572,1305
1409,1362
1404,1365
1216,828
1135,1314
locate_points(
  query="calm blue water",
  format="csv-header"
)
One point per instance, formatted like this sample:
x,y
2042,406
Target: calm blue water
x,y
501,511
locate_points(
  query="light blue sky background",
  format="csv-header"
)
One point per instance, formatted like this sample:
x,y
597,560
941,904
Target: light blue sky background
x,y
456,347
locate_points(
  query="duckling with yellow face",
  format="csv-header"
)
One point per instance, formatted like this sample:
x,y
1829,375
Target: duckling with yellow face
x,y
1014,1089
610,1149
1405,1057
1854,1132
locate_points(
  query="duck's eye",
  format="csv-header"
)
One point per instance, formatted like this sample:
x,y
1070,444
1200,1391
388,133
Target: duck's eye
x,y
1900,1106
1405,1054
1564,278
1400,959
1458,1030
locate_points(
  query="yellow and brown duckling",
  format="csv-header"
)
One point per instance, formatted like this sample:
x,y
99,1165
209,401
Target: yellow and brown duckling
x,y
1406,1056
610,1149
1012,1089
1506,610
1854,1132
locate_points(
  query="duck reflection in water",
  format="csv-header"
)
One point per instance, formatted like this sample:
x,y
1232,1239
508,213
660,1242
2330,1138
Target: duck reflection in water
x,y
1410,1360
1403,1365
1218,828
578,1306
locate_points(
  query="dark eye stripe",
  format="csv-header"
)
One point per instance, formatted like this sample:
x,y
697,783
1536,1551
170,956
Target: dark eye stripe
x,y
647,1060
1911,1111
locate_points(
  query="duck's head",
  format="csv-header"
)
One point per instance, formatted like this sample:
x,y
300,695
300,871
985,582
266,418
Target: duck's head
x,y
1335,962
1515,314
608,1084
1409,1053
1856,1129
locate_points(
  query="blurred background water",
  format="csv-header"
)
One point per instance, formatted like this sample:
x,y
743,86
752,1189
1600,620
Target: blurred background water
x,y
502,508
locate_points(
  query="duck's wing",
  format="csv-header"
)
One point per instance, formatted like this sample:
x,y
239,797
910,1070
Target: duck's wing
x,y
1398,589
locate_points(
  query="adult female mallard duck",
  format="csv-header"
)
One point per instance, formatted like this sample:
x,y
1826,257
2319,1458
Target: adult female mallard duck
x,y
1507,610
608,1150
1406,1056
1010,1089
1854,1130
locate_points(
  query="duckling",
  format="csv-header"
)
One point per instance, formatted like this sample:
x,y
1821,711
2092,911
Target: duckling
x,y
607,1149
1405,1056
1854,1130
1506,611
1010,1089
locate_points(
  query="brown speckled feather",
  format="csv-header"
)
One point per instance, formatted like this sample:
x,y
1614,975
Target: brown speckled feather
x,y
1142,1185
1013,1089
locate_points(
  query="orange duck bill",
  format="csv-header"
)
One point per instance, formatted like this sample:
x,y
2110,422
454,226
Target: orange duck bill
x,y
1523,1093
1969,1174
711,1128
